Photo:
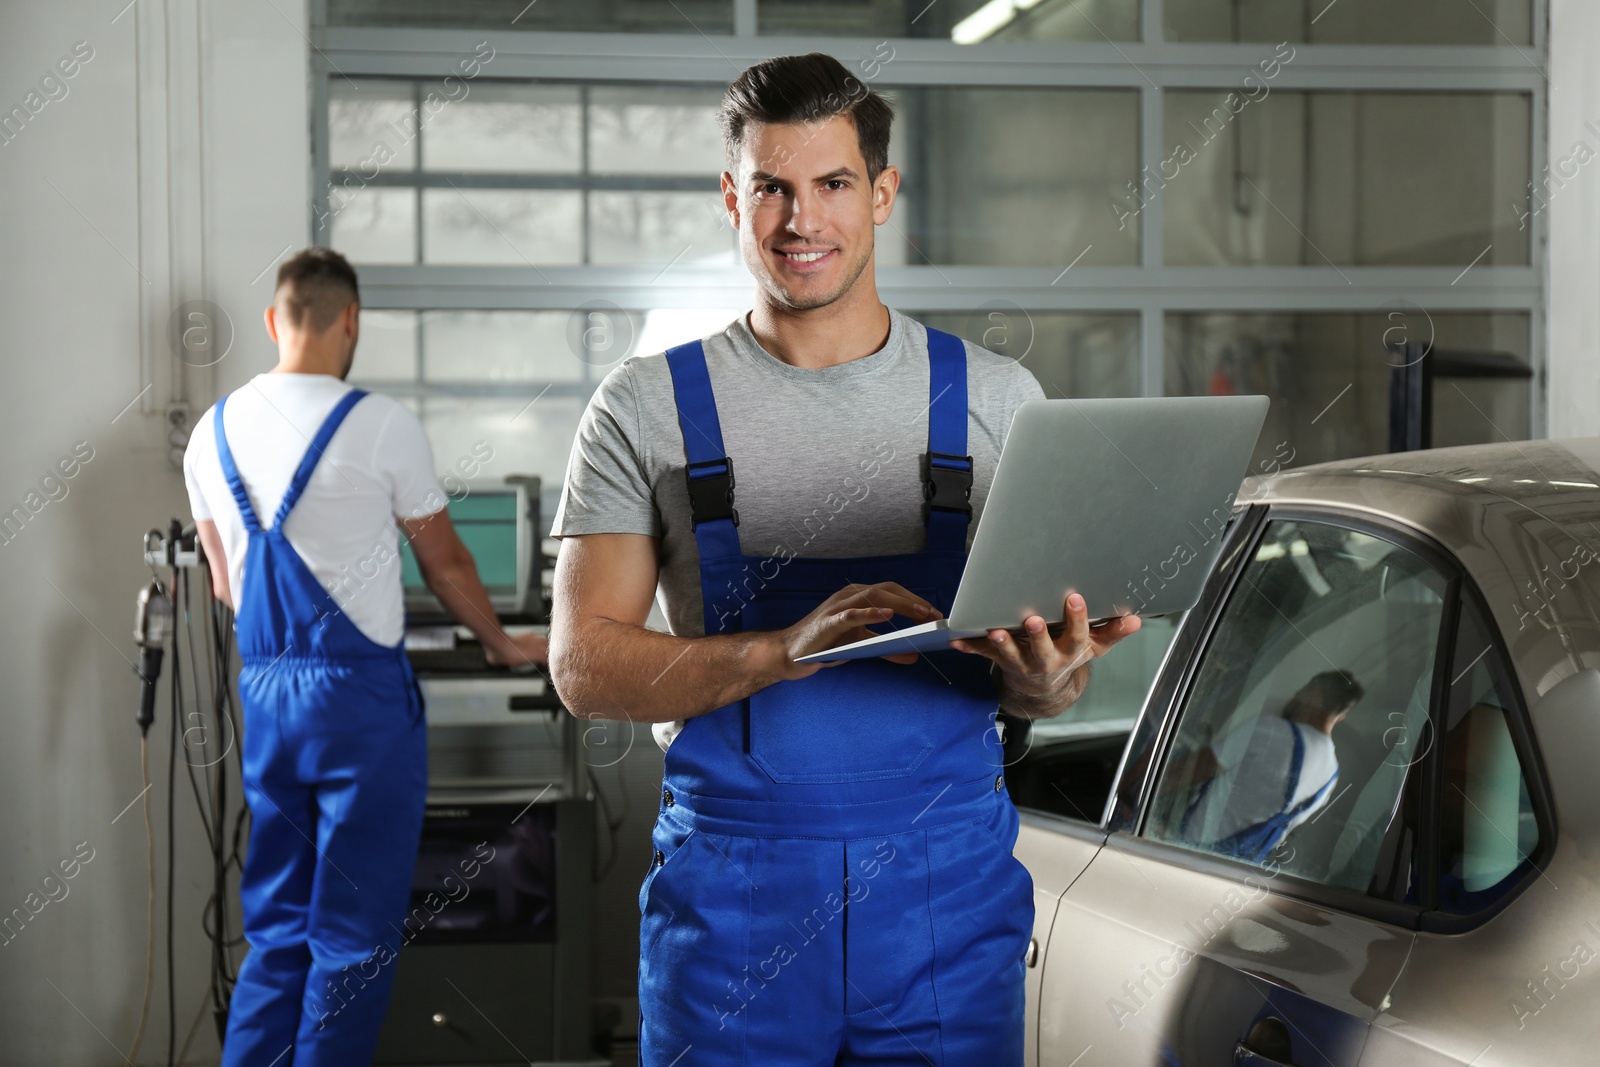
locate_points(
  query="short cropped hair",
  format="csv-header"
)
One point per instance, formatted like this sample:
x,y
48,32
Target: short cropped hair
x,y
315,286
1331,690
809,88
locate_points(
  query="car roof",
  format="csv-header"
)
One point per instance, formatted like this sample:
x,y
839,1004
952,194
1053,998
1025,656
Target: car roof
x,y
1522,517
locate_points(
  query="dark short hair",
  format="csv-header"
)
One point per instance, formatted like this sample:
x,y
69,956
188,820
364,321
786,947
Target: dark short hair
x,y
1332,690
807,88
316,285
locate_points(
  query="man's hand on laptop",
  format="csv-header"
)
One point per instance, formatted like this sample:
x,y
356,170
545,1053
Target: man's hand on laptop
x,y
843,618
1043,675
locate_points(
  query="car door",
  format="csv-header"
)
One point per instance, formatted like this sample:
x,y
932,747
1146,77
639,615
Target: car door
x,y
1250,904
1061,772
1509,991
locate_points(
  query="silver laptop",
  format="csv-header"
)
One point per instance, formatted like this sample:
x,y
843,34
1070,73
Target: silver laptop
x,y
1123,501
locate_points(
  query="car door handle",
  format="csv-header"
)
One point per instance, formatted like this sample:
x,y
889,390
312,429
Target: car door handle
x,y
1266,1045
1245,1056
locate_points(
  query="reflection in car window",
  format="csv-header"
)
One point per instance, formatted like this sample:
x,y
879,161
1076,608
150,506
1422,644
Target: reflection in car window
x,y
1066,765
1307,707
1486,820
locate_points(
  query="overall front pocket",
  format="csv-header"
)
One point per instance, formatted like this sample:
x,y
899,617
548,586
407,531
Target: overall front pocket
x,y
862,720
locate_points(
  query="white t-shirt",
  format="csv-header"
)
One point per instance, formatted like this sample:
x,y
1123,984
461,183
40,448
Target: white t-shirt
x,y
1253,764
379,465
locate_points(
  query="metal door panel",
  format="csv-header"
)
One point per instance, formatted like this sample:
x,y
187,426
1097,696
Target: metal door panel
x,y
1055,854
1153,963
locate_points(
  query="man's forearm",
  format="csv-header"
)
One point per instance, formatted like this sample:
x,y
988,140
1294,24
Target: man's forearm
x,y
616,670
461,591
1043,696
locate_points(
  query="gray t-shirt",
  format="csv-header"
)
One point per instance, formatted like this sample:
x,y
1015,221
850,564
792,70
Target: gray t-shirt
x,y
826,461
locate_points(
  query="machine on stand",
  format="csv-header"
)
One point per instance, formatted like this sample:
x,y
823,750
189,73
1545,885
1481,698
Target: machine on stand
x,y
497,942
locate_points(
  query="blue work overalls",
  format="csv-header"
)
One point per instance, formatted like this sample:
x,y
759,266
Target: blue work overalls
x,y
335,774
832,880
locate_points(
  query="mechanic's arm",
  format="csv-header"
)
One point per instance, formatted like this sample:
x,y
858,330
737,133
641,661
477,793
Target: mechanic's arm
x,y
452,576
607,665
211,545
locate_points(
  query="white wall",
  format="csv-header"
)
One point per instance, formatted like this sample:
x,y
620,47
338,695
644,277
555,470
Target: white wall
x,y
1574,221
174,168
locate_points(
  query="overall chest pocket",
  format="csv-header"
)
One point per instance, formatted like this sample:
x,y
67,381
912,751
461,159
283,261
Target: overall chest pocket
x,y
862,720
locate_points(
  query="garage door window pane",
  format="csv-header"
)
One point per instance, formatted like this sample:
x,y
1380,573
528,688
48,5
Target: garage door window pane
x,y
501,346
1364,179
1072,354
387,348
1328,376
982,168
662,229
962,21
1487,824
504,436
1484,22
621,16
1294,745
371,225
505,129
511,227
655,129
371,123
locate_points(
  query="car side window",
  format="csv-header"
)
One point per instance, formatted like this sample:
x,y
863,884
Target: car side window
x,y
1307,708
1487,824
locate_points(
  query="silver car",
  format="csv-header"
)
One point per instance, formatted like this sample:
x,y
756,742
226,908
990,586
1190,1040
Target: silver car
x,y
1350,814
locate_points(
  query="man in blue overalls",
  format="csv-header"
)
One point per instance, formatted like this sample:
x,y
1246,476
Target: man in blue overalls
x,y
1267,775
831,879
334,748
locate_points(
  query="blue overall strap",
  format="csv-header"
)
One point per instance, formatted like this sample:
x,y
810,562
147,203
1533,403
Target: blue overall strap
x,y
231,472
308,462
946,467
710,468
1314,799
1297,764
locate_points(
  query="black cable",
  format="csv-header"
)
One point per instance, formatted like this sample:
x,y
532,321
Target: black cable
x,y
172,783
235,857
213,805
203,804
226,854
221,963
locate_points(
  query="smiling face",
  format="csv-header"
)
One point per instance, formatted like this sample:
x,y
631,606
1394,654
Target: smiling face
x,y
805,210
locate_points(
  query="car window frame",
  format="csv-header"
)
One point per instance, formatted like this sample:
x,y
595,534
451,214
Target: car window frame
x,y
1176,688
1147,741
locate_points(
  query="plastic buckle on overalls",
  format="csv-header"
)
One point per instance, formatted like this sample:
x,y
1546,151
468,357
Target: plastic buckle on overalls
x,y
946,483
711,495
